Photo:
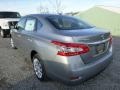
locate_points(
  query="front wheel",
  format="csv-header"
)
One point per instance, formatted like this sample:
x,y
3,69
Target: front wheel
x,y
39,68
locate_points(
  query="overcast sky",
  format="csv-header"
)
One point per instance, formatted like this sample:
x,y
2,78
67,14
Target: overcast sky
x,y
31,6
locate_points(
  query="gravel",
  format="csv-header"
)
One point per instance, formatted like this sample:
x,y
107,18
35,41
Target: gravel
x,y
16,73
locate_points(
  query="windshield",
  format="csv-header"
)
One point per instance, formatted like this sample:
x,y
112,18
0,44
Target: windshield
x,y
67,23
9,15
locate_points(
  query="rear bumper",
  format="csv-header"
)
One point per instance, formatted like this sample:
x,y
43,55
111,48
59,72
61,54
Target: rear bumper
x,y
88,70
94,68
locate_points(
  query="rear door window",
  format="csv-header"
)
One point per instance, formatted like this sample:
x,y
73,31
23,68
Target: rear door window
x,y
30,24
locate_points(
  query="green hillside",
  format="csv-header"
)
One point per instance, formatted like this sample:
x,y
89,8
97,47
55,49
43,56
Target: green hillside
x,y
103,18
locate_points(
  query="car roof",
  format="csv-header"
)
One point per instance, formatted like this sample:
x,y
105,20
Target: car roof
x,y
44,15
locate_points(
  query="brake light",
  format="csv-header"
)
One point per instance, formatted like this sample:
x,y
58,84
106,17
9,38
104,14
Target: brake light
x,y
110,40
70,49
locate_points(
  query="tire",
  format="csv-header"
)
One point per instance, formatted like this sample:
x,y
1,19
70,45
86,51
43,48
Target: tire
x,y
12,44
2,33
39,68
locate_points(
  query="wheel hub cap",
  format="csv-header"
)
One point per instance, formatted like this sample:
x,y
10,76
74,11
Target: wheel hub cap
x,y
37,67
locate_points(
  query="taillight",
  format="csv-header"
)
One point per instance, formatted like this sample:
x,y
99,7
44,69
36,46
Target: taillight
x,y
70,49
110,40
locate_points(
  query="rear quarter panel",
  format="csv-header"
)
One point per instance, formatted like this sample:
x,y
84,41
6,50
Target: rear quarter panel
x,y
54,64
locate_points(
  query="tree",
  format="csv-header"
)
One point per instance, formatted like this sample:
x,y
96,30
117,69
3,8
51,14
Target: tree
x,y
42,9
56,7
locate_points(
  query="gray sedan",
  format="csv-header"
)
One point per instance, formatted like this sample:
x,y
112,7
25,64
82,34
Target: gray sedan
x,y
62,47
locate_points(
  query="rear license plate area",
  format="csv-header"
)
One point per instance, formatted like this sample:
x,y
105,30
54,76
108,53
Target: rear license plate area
x,y
100,48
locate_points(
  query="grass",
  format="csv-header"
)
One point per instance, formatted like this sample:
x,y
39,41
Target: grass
x,y
102,18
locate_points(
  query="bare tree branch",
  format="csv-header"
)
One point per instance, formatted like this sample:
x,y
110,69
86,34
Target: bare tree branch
x,y
57,7
42,9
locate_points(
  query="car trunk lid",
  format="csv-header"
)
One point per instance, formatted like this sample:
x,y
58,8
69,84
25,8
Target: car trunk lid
x,y
95,38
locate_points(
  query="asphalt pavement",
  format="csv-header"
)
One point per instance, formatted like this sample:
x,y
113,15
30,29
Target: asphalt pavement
x,y
16,73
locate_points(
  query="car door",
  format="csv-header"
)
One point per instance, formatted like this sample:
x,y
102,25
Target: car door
x,y
17,33
28,34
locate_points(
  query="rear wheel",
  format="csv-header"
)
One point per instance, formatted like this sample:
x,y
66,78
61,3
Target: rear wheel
x,y
2,33
39,68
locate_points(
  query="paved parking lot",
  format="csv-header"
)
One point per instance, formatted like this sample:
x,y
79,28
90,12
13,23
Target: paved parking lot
x,y
16,73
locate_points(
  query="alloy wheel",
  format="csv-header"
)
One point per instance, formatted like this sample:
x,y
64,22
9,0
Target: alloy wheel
x,y
37,68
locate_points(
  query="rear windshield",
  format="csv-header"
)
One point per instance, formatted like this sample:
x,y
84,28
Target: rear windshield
x,y
67,23
9,15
